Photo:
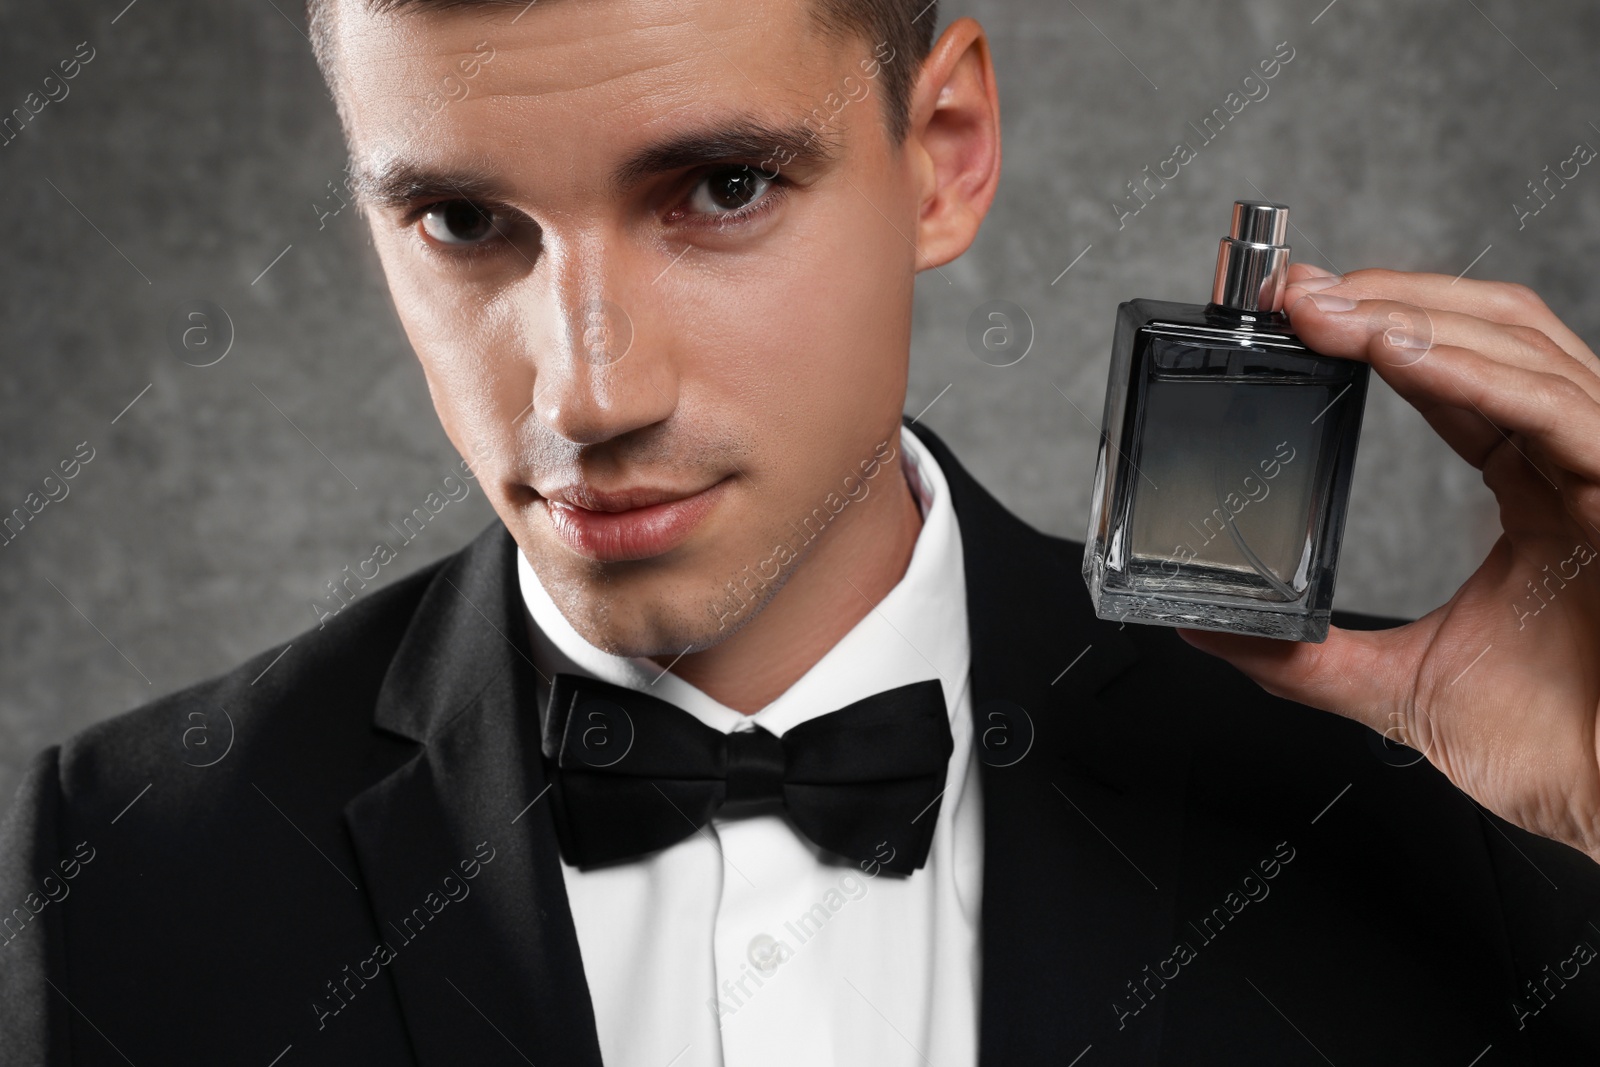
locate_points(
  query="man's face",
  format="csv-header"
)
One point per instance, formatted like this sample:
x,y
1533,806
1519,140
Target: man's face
x,y
658,357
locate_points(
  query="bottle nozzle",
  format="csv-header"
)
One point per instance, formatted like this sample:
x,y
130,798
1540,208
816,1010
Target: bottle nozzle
x,y
1253,261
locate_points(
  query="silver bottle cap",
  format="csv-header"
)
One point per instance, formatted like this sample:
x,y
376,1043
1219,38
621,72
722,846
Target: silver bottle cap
x,y
1253,261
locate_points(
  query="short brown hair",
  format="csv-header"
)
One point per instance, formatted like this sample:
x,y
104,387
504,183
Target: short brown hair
x,y
901,29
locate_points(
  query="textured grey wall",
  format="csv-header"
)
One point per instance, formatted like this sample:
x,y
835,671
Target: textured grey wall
x,y
191,150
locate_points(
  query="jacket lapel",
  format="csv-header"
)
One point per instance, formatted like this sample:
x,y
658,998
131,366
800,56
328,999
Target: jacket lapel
x,y
457,853
1082,832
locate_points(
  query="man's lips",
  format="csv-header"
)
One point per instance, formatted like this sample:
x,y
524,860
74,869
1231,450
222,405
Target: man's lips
x,y
627,524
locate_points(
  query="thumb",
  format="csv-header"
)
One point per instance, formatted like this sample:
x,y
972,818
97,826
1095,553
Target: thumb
x,y
1353,673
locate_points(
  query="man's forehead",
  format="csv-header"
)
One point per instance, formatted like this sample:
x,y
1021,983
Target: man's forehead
x,y
565,46
638,93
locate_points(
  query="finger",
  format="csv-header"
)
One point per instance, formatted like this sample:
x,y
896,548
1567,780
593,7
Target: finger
x,y
1473,437
1549,409
1363,675
1305,272
1322,321
1535,497
1502,302
1532,491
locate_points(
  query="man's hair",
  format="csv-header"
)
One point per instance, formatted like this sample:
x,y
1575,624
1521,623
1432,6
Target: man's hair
x,y
899,29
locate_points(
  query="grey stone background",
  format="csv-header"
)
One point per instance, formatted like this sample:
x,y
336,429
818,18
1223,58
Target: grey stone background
x,y
192,149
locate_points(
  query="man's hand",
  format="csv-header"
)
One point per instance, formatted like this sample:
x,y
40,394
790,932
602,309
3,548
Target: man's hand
x,y
1499,686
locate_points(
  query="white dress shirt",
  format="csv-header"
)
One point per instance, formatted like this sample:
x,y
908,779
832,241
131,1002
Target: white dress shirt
x,y
748,946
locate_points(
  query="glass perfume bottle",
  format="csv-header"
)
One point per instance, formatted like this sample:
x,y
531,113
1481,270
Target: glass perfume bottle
x,y
1225,455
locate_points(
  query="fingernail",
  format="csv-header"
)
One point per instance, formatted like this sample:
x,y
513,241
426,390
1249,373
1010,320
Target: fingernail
x,y
1320,282
1329,303
1317,272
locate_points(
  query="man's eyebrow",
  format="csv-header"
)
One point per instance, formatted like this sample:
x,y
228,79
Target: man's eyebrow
x,y
400,183
770,148
762,145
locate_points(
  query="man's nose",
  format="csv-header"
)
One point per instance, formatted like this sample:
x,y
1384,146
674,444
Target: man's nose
x,y
607,368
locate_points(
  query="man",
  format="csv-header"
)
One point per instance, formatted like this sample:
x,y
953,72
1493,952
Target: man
x,y
657,264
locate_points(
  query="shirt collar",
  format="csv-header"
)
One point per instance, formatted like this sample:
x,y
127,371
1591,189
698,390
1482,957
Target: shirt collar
x,y
918,631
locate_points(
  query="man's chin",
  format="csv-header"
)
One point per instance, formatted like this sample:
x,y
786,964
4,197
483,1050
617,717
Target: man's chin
x,y
626,611
665,634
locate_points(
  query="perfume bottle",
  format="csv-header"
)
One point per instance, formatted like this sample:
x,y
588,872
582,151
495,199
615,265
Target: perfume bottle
x,y
1225,455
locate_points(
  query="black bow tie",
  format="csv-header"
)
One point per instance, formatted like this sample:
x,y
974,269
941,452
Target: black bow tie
x,y
632,773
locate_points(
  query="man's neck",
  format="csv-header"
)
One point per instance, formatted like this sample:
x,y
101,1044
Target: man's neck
x,y
847,573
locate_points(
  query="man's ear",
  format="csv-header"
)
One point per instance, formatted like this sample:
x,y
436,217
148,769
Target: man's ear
x,y
954,142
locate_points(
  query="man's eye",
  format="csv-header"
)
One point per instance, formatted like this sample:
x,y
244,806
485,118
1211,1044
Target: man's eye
x,y
459,223
729,191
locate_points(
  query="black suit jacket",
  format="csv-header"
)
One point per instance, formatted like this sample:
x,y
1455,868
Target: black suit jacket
x,y
1178,868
